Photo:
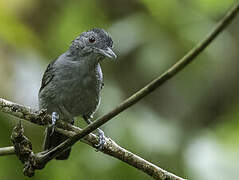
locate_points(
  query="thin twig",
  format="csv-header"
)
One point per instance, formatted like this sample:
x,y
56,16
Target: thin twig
x,y
7,151
182,63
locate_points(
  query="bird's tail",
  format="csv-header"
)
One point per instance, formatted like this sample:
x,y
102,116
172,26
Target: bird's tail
x,y
54,139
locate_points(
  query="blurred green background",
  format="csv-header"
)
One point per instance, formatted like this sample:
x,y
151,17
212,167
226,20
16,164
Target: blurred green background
x,y
189,126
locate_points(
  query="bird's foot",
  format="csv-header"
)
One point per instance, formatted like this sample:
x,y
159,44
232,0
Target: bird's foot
x,y
54,118
101,136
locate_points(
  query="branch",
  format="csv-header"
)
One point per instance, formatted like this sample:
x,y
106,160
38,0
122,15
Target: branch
x,y
182,63
7,151
110,147
40,117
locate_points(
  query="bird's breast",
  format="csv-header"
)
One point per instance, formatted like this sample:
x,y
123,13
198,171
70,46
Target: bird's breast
x,y
80,91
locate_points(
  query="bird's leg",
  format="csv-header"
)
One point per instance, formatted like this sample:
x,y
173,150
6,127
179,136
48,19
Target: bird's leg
x,y
54,118
101,134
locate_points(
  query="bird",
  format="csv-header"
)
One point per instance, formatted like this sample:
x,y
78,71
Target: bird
x,y
72,83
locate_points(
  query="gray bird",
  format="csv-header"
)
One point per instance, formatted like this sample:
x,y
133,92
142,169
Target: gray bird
x,y
72,83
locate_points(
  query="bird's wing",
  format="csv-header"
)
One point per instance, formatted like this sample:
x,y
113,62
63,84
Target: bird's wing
x,y
48,75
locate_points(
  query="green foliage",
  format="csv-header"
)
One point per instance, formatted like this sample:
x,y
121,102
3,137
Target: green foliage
x,y
15,32
71,21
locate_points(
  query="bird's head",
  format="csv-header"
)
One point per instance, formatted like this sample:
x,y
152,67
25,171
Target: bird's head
x,y
96,43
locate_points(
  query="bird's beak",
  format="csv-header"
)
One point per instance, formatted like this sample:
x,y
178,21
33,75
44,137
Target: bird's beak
x,y
107,53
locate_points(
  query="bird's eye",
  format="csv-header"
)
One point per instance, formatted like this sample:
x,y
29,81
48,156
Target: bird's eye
x,y
92,39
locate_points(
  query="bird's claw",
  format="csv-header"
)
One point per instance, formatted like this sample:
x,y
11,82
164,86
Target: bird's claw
x,y
54,118
101,136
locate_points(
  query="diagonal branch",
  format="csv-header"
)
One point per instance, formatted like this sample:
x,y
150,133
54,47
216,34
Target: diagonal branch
x,y
110,147
182,63
151,169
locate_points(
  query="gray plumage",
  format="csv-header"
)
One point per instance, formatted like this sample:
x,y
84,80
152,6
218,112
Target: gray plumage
x,y
72,83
